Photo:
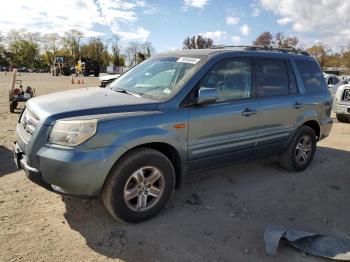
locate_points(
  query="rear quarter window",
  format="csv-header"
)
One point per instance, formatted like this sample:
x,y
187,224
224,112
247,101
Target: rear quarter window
x,y
311,75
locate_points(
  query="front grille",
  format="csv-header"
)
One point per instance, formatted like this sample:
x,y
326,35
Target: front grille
x,y
346,95
29,122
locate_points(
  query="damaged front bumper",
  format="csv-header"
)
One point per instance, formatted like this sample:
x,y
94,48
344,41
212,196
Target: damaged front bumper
x,y
32,173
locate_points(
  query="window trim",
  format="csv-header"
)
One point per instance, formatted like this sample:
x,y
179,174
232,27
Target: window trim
x,y
187,103
290,72
285,61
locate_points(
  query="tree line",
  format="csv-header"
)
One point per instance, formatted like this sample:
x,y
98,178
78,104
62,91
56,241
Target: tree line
x,y
19,48
325,56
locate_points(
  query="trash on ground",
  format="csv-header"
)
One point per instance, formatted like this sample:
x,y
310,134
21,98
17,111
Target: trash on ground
x,y
307,242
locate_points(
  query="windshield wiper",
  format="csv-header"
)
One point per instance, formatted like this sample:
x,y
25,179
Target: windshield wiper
x,y
125,91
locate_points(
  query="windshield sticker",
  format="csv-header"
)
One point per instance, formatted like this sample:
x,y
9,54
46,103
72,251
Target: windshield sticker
x,y
188,60
167,91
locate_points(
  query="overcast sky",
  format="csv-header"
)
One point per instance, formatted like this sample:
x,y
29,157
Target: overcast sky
x,y
167,23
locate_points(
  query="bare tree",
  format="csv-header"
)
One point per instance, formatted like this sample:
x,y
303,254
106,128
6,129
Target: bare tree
x,y
71,42
197,42
51,45
265,39
285,41
319,52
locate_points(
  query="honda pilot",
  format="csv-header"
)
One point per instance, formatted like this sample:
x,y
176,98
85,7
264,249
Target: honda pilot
x,y
176,113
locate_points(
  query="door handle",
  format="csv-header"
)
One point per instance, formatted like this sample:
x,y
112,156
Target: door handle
x,y
297,105
248,112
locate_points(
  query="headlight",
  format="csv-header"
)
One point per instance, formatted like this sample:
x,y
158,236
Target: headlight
x,y
72,133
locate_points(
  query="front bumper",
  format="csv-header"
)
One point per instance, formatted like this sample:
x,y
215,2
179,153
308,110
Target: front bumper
x,y
32,173
69,171
341,108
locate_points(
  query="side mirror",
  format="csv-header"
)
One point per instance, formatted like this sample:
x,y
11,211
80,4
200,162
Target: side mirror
x,y
207,95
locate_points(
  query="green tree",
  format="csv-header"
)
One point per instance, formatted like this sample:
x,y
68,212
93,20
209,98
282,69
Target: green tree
x,y
3,58
24,53
95,49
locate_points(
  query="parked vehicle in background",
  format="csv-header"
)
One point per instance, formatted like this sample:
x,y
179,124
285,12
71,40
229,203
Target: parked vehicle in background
x,y
341,103
89,67
333,82
61,66
176,113
107,79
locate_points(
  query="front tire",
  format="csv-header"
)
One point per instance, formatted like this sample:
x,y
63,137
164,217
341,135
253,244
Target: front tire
x,y
300,151
139,185
342,118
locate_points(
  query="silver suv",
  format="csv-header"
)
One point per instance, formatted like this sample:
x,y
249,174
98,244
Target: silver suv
x,y
176,113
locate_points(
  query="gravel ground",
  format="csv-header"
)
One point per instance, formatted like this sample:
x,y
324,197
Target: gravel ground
x,y
218,215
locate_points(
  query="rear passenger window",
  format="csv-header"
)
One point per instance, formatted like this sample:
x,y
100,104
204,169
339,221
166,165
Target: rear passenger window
x,y
311,75
271,77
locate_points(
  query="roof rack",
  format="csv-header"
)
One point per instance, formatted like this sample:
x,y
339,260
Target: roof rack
x,y
289,50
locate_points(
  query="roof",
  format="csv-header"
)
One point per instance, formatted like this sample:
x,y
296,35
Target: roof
x,y
221,49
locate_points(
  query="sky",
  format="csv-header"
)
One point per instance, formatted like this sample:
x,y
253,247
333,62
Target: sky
x,y
167,23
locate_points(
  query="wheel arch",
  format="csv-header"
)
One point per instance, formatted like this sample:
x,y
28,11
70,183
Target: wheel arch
x,y
166,149
315,126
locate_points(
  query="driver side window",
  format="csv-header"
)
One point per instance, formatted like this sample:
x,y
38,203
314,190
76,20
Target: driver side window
x,y
231,77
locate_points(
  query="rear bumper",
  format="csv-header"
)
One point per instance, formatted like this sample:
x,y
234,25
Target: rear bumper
x,y
341,108
325,128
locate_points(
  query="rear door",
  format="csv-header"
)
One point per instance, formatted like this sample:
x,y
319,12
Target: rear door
x,y
224,131
279,103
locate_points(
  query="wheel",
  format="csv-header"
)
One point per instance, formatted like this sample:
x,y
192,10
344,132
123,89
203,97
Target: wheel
x,y
300,151
13,106
342,118
96,74
139,185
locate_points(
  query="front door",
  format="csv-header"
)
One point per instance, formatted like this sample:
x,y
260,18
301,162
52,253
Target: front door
x,y
224,131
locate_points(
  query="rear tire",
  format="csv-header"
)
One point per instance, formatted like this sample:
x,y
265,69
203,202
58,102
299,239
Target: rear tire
x,y
300,151
139,185
342,118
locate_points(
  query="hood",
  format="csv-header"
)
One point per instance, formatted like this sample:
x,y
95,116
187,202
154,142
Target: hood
x,y
84,102
108,77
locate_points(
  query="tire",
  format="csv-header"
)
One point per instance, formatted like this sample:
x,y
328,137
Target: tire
x,y
146,161
342,118
96,74
13,106
291,159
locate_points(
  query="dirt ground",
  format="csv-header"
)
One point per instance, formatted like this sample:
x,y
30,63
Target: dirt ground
x,y
236,203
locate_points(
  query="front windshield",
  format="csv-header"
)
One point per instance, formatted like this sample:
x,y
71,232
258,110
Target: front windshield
x,y
157,78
